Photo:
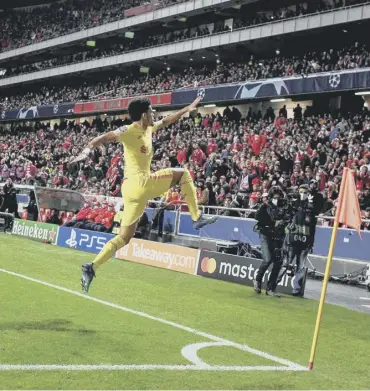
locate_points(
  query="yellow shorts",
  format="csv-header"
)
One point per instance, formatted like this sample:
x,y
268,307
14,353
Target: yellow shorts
x,y
138,190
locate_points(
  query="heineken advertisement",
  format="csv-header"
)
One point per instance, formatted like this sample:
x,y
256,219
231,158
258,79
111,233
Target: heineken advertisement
x,y
34,230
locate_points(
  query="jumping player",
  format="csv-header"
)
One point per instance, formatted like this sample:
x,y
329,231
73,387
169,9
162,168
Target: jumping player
x,y
139,185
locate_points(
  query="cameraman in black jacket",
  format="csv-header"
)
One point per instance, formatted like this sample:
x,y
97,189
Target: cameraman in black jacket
x,y
9,203
300,233
10,198
271,222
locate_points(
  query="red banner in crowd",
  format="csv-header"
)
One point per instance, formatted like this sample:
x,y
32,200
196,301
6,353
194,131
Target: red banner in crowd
x,y
142,9
119,104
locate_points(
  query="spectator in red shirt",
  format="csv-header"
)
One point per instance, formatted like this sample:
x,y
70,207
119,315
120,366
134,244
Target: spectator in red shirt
x,y
181,155
212,146
31,170
205,121
101,213
91,215
60,179
108,217
362,177
198,155
84,212
236,146
257,143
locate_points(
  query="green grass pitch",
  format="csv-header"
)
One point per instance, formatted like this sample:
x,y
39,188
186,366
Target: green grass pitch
x,y
148,328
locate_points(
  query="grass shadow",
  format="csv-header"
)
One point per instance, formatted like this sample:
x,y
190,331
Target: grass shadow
x,y
58,325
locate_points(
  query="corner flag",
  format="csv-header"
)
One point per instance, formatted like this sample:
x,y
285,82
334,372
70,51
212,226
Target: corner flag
x,y
348,213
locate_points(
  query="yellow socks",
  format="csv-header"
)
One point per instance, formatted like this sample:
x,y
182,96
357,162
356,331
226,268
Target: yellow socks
x,y
190,194
108,251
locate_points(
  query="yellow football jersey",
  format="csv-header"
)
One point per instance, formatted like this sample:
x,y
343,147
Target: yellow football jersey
x,y
138,148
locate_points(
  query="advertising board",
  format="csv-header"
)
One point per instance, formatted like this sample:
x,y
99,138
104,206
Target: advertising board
x,y
240,270
162,255
34,230
80,239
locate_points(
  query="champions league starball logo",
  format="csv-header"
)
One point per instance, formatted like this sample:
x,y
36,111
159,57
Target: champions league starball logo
x,y
55,109
272,87
334,80
3,114
201,93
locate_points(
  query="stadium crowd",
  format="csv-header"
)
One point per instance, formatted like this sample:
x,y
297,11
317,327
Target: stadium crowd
x,y
225,154
26,26
354,56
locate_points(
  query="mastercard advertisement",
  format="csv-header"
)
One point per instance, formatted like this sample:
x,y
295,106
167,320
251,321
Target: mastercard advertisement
x,y
237,269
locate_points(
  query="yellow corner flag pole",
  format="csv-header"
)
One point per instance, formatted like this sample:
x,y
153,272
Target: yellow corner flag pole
x,y
327,272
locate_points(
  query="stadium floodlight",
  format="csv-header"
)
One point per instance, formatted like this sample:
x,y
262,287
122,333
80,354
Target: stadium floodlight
x,y
362,93
278,100
210,105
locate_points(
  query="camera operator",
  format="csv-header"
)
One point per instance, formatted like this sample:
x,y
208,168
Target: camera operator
x,y
9,204
271,223
300,235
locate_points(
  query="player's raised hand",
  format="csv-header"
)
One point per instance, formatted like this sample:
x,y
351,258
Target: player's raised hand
x,y
193,105
82,156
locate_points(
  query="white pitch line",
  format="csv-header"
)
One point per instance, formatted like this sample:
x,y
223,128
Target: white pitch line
x,y
211,337
11,367
364,298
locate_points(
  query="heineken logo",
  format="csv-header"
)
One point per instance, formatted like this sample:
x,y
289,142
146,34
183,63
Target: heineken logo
x,y
35,230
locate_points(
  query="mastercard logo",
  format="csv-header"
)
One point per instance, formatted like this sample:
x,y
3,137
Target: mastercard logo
x,y
208,265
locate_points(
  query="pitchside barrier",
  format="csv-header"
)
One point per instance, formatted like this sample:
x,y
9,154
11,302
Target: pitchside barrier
x,y
348,246
224,267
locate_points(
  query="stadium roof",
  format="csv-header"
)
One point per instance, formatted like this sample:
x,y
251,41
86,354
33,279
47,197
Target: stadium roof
x,y
22,3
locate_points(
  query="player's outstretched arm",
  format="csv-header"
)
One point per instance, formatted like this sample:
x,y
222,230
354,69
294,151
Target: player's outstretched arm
x,y
109,137
175,117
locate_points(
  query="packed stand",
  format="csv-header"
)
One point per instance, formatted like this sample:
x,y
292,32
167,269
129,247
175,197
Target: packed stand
x,y
22,27
226,155
316,62
354,56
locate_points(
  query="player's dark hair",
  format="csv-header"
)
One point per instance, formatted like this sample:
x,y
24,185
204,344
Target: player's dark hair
x,y
138,107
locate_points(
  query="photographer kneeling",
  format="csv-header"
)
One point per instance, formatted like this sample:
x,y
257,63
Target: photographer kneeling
x,y
271,223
